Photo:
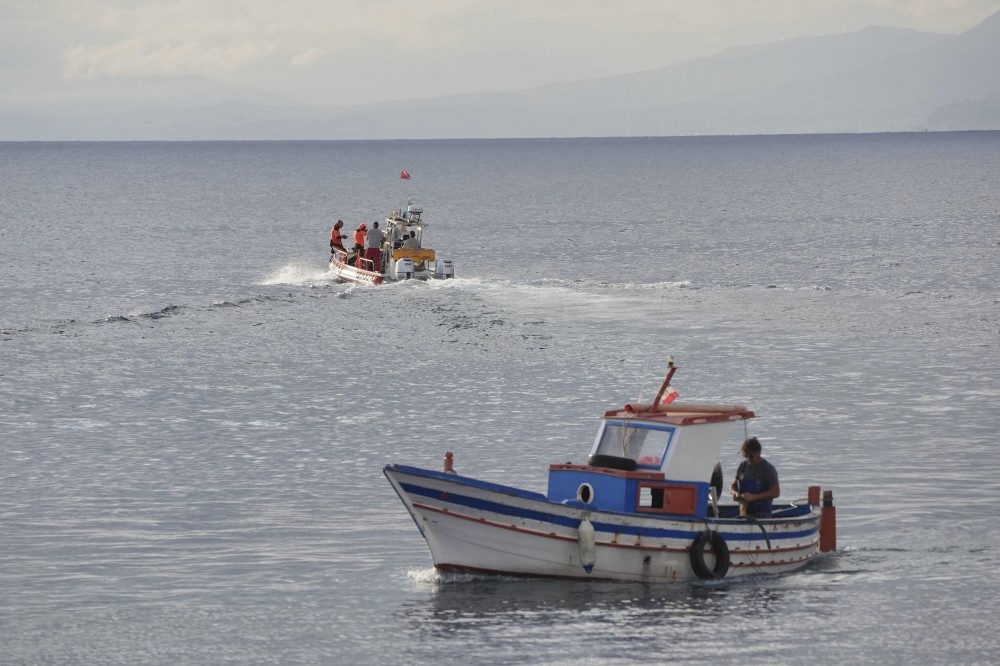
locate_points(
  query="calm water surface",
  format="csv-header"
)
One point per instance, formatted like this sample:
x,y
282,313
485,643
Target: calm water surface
x,y
194,416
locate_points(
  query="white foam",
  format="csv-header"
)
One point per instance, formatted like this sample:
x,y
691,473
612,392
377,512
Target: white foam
x,y
297,273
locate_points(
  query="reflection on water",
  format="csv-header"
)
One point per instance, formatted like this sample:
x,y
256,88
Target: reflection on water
x,y
487,619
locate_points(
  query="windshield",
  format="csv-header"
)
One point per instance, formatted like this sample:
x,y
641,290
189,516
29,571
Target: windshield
x,y
644,443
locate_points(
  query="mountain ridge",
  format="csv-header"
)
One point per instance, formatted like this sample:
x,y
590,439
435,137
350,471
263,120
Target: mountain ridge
x,y
872,80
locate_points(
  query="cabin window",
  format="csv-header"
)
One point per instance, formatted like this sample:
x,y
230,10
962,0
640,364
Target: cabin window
x,y
644,443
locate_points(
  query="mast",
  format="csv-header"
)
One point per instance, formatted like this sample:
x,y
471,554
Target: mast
x,y
671,369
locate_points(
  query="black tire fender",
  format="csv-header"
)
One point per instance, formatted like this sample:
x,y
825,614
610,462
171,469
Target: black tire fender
x,y
717,479
697,555
611,462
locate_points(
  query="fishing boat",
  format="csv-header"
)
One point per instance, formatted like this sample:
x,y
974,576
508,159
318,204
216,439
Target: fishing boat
x,y
644,507
398,260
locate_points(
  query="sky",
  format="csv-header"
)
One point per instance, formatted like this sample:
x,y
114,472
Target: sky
x,y
350,52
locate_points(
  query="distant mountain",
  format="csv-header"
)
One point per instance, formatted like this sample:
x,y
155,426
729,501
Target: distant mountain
x,y
876,79
89,96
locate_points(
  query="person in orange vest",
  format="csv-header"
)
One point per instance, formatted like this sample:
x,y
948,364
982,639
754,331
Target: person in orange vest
x,y
336,238
359,236
359,245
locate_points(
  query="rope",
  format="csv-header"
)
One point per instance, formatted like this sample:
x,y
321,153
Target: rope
x,y
762,530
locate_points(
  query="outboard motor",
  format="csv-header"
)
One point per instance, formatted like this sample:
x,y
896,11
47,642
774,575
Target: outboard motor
x,y
404,268
443,268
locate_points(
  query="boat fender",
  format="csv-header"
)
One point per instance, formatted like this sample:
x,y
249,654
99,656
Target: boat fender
x,y
588,546
717,479
611,462
697,555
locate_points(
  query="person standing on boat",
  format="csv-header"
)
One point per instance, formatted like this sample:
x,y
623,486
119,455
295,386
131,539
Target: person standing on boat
x,y
373,247
337,238
359,236
411,241
359,245
756,481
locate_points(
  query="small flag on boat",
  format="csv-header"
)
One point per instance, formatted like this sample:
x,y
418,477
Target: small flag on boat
x,y
669,395
404,174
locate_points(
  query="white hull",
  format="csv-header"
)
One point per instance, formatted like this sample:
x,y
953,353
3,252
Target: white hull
x,y
349,273
480,527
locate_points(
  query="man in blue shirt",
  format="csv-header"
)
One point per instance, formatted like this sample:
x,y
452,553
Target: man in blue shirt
x,y
756,481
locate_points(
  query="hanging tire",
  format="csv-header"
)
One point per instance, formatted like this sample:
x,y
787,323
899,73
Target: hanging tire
x,y
697,554
611,462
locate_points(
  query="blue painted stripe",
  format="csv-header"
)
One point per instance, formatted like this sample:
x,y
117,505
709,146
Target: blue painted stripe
x,y
458,499
465,481
492,507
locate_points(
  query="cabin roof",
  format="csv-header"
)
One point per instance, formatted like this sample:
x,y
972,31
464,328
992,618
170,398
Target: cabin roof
x,y
680,414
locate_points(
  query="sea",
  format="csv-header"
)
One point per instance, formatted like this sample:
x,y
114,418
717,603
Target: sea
x,y
195,415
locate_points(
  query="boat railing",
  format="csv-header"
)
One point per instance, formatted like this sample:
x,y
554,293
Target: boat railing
x,y
365,264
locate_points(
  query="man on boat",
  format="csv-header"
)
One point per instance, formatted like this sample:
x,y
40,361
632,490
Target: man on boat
x,y
359,236
411,241
336,238
373,248
396,233
358,251
756,481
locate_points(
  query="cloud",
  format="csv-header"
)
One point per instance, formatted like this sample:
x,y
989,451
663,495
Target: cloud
x,y
308,56
134,57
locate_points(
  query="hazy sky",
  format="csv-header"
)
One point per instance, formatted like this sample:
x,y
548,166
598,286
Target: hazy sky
x,y
345,52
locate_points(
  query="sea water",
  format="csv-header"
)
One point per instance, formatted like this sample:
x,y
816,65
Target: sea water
x,y
194,415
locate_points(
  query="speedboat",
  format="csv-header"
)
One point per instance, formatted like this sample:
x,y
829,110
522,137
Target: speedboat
x,y
399,260
644,507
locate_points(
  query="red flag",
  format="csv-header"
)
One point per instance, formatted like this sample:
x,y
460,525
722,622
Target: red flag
x,y
404,174
669,395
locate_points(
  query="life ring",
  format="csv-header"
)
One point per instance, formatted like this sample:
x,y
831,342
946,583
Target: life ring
x,y
612,462
720,549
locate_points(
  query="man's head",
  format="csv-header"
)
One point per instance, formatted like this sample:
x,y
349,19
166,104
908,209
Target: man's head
x,y
750,449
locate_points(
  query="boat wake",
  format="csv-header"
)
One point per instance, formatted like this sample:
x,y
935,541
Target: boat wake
x,y
431,576
297,273
73,326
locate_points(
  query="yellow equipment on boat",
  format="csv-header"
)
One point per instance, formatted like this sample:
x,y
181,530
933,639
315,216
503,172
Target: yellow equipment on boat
x,y
417,254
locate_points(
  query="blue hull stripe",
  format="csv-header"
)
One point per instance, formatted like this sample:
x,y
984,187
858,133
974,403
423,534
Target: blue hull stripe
x,y
611,528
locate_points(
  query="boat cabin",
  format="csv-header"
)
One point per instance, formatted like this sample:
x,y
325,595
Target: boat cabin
x,y
648,459
413,213
408,222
